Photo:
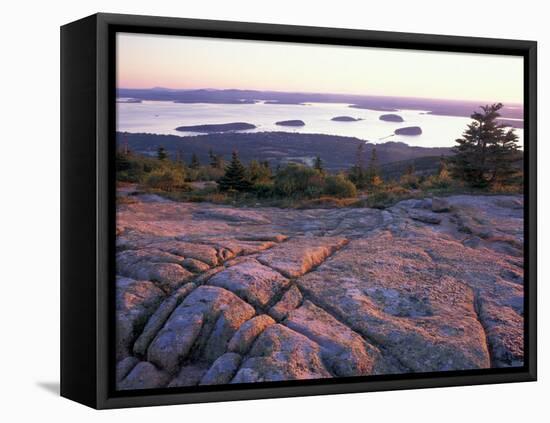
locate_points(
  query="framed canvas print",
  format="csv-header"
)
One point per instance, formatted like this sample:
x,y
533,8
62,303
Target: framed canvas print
x,y
255,211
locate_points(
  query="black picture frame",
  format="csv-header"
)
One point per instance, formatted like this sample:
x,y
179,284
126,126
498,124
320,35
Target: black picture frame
x,y
88,207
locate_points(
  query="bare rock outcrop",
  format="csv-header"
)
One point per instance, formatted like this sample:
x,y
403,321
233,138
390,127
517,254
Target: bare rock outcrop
x,y
282,354
440,205
211,294
289,301
347,353
392,293
204,253
158,319
162,268
135,302
252,281
300,255
144,376
248,332
207,318
223,370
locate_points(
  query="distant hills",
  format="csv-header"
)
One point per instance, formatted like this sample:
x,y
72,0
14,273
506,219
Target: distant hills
x,y
336,152
234,96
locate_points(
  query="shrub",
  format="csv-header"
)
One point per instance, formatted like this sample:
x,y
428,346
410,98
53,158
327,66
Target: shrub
x,y
499,188
263,190
208,173
136,168
166,179
409,180
296,180
259,173
339,187
387,197
441,181
327,202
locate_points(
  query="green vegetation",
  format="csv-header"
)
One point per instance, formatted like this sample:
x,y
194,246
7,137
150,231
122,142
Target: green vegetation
x,y
166,179
195,164
161,153
235,177
487,151
339,186
157,173
487,160
365,177
318,165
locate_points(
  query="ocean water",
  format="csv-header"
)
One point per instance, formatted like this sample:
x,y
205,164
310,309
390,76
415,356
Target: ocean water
x,y
162,117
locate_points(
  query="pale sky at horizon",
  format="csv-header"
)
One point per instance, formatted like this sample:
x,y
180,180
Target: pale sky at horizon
x,y
146,61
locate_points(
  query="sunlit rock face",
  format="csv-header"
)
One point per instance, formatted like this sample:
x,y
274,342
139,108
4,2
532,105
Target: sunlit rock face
x,y
209,294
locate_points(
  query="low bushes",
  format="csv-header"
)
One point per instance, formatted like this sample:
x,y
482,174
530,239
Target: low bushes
x,y
166,179
340,187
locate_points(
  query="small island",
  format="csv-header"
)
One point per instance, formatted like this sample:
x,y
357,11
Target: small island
x,y
219,127
372,107
285,102
128,100
391,118
345,119
409,130
295,122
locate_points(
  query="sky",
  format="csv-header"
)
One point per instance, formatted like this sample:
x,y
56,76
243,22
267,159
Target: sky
x,y
146,61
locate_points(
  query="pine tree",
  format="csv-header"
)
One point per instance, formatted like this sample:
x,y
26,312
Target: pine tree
x,y
357,173
235,176
409,179
372,170
122,162
486,151
215,160
505,153
442,167
194,164
318,165
161,153
179,157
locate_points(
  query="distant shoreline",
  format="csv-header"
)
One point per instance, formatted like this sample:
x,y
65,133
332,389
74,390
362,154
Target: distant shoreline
x,y
460,108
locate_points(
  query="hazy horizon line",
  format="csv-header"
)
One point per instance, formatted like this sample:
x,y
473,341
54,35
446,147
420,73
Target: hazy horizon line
x,y
485,101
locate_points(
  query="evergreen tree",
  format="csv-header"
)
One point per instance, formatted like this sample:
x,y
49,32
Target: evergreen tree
x,y
318,165
357,173
124,149
410,170
372,170
506,152
235,176
161,153
122,161
442,168
194,164
409,178
179,157
215,160
486,151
